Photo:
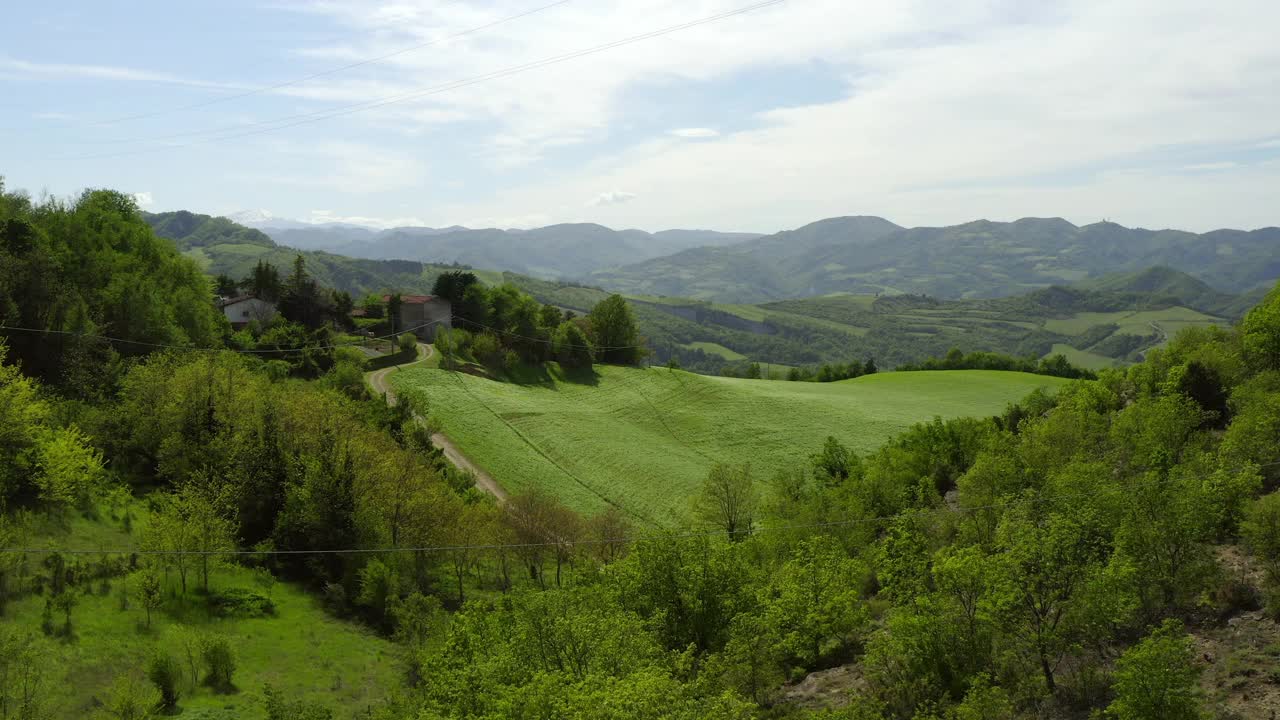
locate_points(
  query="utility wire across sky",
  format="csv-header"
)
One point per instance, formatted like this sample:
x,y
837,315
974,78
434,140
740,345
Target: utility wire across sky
x,y
330,71
242,93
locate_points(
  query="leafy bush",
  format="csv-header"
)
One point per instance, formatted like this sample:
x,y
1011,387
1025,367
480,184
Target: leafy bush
x,y
163,672
1157,678
484,346
239,603
219,662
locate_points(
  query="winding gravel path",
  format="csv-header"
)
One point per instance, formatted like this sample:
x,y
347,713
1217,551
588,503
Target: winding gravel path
x,y
378,381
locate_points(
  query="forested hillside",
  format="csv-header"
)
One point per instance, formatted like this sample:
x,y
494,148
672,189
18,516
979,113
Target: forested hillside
x,y
221,247
1098,326
979,259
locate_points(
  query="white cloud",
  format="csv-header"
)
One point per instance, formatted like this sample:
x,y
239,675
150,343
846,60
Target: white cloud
x,y
949,111
1211,166
1095,84
695,132
24,68
144,199
615,197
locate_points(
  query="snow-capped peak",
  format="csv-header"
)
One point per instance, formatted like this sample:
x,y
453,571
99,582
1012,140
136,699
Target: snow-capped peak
x,y
250,217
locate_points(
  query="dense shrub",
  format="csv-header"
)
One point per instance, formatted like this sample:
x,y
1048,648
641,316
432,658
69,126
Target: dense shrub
x,y
239,603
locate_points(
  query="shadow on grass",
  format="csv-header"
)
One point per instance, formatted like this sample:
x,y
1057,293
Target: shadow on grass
x,y
548,376
218,687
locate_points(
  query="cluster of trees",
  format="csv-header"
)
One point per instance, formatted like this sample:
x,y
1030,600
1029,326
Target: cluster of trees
x,y
43,462
504,327
92,266
303,334
832,373
956,359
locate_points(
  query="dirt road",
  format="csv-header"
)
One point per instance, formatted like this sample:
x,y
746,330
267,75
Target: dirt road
x,y
378,381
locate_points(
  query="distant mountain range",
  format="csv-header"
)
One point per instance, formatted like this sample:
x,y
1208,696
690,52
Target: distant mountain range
x,y
973,260
557,251
861,254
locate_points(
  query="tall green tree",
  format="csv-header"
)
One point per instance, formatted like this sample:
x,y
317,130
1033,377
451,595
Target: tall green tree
x,y
814,600
613,329
729,500
453,285
1260,332
1157,678
264,281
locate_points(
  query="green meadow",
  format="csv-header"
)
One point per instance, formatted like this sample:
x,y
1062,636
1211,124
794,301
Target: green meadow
x,y
299,649
644,439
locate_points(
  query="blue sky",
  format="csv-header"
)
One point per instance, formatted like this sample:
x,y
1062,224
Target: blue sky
x,y
1154,114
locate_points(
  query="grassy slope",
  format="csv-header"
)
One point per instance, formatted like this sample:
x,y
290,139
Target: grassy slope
x,y
645,438
301,650
716,349
1084,358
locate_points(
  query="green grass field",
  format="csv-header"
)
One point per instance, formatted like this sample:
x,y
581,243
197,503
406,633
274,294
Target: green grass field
x,y
644,439
715,349
301,650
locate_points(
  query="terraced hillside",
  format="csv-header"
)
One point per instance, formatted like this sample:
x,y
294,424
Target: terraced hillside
x,y
644,439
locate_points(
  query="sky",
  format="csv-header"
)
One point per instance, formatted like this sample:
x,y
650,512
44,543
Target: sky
x,y
652,114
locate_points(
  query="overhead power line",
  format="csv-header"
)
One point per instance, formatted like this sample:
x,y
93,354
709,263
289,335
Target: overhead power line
x,y
282,123
268,351
298,81
1044,498
164,346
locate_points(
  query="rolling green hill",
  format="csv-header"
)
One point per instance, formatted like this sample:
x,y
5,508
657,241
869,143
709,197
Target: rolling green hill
x,y
223,247
977,259
191,230
644,439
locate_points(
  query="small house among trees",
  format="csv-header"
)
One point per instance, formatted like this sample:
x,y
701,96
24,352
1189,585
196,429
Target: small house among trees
x,y
243,309
423,315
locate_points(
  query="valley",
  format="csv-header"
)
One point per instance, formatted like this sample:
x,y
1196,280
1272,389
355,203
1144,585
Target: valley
x,y
1101,322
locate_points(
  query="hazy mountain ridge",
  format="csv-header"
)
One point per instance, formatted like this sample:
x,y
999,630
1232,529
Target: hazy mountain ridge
x,y
556,251
223,247
976,259
857,254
